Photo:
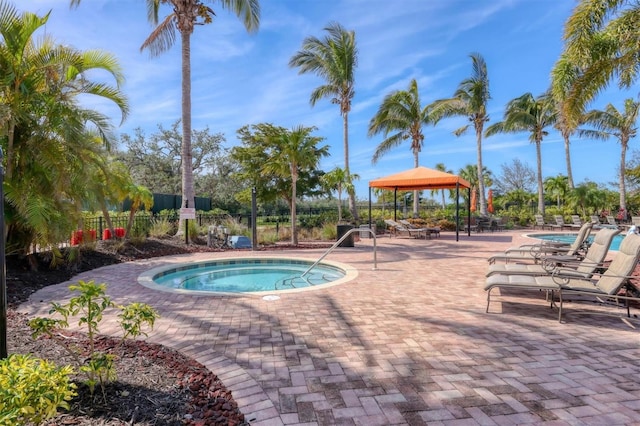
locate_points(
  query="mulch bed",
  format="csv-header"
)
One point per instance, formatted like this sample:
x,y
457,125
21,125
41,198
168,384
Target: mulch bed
x,y
155,385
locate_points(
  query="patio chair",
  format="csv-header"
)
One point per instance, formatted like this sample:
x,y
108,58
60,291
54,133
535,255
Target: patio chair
x,y
604,287
576,220
561,223
534,252
612,220
435,230
397,228
540,223
593,260
496,224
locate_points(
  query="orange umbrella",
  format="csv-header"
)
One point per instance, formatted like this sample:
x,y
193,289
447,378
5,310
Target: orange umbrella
x,y
490,202
472,206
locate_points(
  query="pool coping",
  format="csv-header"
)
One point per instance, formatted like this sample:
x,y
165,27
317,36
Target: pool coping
x,y
146,278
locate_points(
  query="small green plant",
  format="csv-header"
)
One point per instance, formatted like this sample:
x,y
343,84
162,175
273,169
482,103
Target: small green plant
x,y
89,307
32,389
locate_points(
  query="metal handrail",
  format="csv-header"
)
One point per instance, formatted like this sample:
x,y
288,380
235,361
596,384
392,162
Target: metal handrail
x,y
337,243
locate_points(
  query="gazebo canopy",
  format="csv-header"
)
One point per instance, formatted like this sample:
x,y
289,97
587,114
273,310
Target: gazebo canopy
x,y
419,178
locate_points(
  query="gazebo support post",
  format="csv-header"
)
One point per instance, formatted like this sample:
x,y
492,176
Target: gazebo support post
x,y
457,209
370,208
395,204
469,213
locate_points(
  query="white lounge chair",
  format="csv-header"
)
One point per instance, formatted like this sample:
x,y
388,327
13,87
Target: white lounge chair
x,y
593,260
534,252
603,287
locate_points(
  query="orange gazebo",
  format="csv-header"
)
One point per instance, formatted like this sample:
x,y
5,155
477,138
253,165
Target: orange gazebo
x,y
419,178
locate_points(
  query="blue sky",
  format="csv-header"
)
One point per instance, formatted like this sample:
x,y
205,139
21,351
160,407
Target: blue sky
x,y
240,78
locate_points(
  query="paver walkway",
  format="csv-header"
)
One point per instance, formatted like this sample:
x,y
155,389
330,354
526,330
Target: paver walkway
x,y
409,343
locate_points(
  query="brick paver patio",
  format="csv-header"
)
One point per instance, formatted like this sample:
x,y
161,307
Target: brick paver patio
x,y
408,343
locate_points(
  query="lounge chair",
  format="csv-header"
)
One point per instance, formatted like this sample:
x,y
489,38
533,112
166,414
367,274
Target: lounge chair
x,y
593,260
605,287
561,223
612,221
576,220
534,252
542,224
435,230
397,228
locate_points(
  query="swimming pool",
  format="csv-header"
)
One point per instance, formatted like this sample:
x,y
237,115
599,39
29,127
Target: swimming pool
x,y
570,238
246,275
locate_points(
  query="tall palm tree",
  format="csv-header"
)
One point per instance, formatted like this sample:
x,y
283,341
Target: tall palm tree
x,y
402,115
470,100
294,151
335,59
185,15
622,126
565,75
600,43
533,115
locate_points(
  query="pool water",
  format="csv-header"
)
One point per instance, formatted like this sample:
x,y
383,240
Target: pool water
x,y
246,275
570,238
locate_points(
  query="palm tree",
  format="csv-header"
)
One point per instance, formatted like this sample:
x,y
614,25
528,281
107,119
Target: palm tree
x,y
558,187
470,174
441,167
402,115
587,198
533,115
600,43
565,75
622,126
185,15
333,58
339,181
294,151
470,100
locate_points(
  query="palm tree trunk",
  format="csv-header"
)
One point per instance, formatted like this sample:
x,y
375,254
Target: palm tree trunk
x,y
9,153
416,200
540,184
294,228
188,193
350,191
481,199
567,154
623,190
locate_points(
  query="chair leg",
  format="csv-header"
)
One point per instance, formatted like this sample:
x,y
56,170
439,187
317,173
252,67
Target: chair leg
x,y
560,307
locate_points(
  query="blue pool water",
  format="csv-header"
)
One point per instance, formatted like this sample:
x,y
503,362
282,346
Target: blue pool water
x,y
245,275
570,238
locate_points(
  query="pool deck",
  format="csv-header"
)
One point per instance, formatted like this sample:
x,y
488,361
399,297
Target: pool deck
x,y
408,343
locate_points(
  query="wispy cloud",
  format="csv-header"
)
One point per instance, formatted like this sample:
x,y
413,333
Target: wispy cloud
x,y
240,78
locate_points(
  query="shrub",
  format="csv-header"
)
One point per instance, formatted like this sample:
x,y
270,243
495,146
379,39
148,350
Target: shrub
x,y
32,390
88,307
162,227
330,231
